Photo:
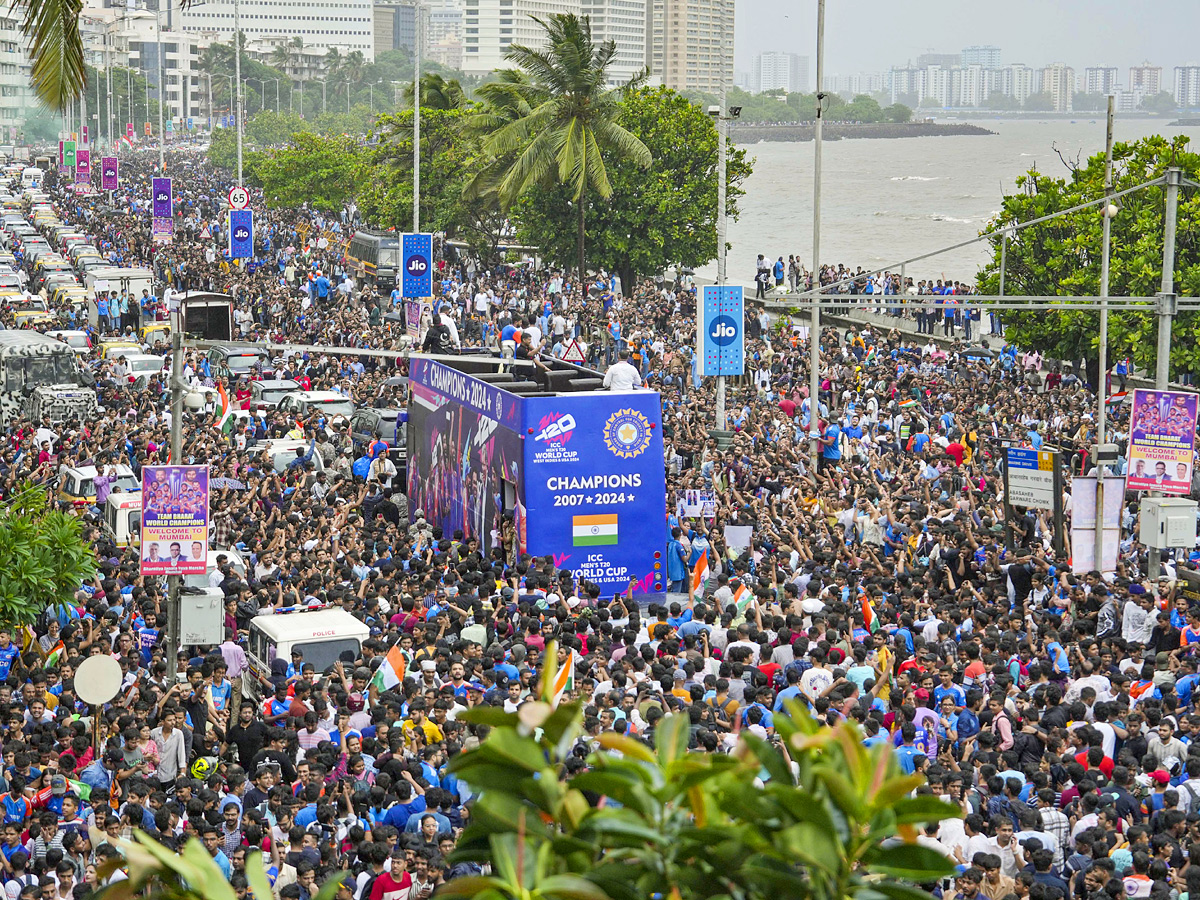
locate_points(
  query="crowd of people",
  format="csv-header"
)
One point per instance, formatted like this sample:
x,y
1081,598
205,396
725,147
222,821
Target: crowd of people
x,y
886,584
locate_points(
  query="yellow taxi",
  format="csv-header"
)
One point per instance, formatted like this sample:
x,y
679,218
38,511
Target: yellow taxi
x,y
159,331
113,349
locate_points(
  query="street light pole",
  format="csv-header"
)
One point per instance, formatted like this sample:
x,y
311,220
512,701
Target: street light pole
x,y
174,633
722,225
814,337
162,94
237,81
416,225
1102,393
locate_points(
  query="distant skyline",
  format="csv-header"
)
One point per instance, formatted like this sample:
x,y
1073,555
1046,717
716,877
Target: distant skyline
x,y
874,35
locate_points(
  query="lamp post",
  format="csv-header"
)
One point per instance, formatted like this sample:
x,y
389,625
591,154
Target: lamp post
x,y
371,86
261,96
162,132
416,224
323,82
276,80
1108,211
814,337
237,79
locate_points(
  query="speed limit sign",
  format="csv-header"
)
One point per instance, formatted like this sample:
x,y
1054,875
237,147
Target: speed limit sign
x,y
239,198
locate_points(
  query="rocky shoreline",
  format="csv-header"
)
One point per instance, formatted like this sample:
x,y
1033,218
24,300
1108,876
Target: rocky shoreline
x,y
835,131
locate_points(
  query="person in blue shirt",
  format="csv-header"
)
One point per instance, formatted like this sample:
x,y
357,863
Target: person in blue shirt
x,y
907,752
677,568
9,653
831,452
949,689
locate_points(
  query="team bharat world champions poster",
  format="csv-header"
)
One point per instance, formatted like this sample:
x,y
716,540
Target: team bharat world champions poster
x,y
1162,431
174,520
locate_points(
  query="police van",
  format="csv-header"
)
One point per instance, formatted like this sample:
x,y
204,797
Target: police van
x,y
322,635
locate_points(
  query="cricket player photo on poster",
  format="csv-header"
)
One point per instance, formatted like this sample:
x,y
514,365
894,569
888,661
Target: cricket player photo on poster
x,y
1162,429
174,520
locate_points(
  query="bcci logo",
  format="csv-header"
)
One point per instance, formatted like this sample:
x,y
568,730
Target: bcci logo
x,y
627,433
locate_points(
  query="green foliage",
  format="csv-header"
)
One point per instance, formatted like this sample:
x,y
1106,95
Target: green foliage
x,y
315,169
833,821
769,107
1039,103
1062,257
663,214
191,874
43,557
1162,103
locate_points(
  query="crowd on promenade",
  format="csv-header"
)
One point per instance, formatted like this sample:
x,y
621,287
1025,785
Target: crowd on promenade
x,y
1054,708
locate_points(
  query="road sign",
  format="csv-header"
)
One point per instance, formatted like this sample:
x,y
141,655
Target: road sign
x,y
189,123
239,197
573,353
1030,477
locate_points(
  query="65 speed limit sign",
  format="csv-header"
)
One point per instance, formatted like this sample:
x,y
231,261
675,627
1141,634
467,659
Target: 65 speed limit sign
x,y
239,198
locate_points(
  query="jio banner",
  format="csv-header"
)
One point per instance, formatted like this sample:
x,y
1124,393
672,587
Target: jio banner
x,y
174,520
241,234
416,254
722,336
68,159
1162,430
83,168
108,173
161,192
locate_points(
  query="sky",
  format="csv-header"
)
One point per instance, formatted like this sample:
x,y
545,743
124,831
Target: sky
x,y
873,35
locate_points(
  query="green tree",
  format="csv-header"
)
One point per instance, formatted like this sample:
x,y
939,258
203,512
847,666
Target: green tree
x,y
438,92
664,214
316,169
832,820
998,100
1062,257
1038,103
898,113
43,557
1162,103
861,109
571,132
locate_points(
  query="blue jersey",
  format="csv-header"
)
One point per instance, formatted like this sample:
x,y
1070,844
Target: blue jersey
x,y
8,655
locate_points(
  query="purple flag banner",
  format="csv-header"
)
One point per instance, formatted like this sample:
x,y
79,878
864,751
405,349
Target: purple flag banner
x,y
108,173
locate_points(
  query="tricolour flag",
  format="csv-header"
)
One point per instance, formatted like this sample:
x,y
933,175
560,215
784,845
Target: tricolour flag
x,y
594,531
870,622
564,679
391,671
54,655
700,574
227,420
742,597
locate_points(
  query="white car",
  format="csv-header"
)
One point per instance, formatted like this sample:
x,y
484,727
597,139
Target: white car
x,y
143,365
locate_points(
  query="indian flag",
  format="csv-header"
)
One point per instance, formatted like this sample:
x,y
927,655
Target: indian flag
x,y
54,655
700,574
870,622
391,671
227,420
594,531
742,597
909,404
564,679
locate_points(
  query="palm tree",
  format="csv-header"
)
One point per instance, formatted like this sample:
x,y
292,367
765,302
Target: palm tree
x,y
333,62
571,126
438,92
56,46
281,57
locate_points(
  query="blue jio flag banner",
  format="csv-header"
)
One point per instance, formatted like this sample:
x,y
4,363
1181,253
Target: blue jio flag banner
x,y
241,234
161,195
722,330
593,486
416,254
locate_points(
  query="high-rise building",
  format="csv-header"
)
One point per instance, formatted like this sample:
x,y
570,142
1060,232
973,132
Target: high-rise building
x,y
778,70
689,43
1017,81
906,83
1145,78
987,56
943,60
1100,80
348,25
1187,86
624,23
16,97
1058,80
490,27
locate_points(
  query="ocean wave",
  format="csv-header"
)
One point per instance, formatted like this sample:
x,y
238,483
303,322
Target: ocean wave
x,y
914,178
941,217
1025,154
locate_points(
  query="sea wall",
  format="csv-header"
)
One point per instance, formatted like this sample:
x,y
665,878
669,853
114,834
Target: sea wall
x,y
834,131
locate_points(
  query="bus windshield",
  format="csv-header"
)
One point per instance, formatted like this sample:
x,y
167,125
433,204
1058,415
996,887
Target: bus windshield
x,y
33,371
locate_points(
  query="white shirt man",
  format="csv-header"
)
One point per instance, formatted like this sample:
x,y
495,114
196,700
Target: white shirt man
x,y
622,376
